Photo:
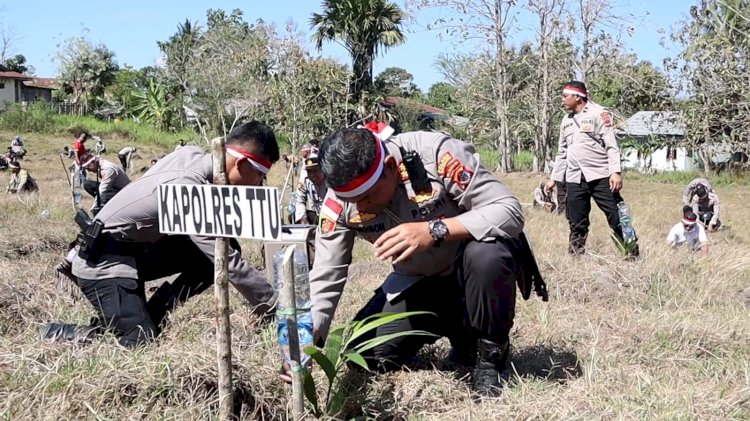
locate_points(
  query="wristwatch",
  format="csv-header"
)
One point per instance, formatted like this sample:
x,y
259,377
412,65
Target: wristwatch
x,y
438,231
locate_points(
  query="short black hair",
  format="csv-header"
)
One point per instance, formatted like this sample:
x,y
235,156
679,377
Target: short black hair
x,y
578,85
258,134
315,142
687,212
346,154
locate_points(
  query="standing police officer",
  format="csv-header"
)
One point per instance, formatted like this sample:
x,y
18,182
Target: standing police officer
x,y
130,250
588,161
452,231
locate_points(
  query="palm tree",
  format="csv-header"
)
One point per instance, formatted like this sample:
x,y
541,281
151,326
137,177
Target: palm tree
x,y
364,28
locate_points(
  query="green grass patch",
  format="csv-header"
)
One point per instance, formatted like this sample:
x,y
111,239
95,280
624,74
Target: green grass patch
x,y
40,118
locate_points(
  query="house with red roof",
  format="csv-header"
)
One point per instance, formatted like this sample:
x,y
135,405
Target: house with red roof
x,y
17,87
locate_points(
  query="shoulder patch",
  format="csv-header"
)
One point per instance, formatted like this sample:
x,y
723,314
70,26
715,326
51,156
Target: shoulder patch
x,y
463,177
362,217
326,225
606,119
446,164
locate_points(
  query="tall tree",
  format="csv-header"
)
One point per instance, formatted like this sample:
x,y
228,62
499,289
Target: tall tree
x,y
441,95
548,29
85,69
396,81
716,56
365,28
18,64
486,21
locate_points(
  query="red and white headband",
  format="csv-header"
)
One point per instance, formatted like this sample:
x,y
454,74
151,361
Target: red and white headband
x,y
364,182
572,90
688,221
260,164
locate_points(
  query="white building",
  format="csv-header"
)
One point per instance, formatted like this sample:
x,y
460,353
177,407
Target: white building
x,y
655,141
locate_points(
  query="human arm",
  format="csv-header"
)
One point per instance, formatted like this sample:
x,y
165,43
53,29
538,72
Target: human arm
x,y
333,255
716,210
243,276
300,202
561,161
606,130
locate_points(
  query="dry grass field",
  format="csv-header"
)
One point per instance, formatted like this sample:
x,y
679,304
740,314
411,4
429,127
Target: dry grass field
x,y
666,337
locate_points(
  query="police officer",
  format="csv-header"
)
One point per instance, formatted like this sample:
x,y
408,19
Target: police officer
x,y
689,193
588,160
110,180
310,193
131,250
451,230
707,206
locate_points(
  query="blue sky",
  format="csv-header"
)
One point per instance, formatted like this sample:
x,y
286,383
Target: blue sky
x,y
131,28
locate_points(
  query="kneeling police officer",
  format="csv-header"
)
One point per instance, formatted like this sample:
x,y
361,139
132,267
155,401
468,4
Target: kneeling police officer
x,y
453,232
122,248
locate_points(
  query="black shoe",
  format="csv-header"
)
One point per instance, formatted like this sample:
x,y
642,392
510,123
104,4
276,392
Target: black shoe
x,y
462,354
68,332
491,371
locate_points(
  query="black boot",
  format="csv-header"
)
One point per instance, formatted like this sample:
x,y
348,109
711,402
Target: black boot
x,y
491,370
463,353
69,332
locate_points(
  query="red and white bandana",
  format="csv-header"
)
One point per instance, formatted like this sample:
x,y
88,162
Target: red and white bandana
x,y
260,164
688,221
572,90
364,182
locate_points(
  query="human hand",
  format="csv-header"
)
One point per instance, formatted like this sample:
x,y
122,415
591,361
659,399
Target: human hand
x,y
549,186
615,182
548,206
285,371
711,228
400,242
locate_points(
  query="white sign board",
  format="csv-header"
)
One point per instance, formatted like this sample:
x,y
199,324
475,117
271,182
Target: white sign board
x,y
220,211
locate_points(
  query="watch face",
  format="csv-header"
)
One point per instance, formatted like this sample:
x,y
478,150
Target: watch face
x,y
439,229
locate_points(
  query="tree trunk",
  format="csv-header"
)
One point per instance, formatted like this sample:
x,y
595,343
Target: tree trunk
x,y
501,104
221,292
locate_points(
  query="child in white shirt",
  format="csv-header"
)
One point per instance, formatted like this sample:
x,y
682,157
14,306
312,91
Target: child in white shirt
x,y
688,232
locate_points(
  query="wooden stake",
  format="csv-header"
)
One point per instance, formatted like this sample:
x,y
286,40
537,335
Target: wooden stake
x,y
221,292
289,303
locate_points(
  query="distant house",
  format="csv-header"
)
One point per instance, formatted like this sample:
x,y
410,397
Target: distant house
x,y
39,89
428,113
11,87
655,141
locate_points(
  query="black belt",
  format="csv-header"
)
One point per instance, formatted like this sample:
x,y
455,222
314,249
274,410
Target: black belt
x,y
110,245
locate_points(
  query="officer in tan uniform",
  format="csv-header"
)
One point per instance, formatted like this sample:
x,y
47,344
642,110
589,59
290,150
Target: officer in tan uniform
x,y
310,193
110,180
130,250
588,160
451,230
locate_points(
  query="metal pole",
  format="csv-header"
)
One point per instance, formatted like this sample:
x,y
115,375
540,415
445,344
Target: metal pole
x,y
221,292
289,303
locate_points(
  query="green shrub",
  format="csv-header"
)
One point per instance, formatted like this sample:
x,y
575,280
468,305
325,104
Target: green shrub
x,y
488,157
523,161
40,118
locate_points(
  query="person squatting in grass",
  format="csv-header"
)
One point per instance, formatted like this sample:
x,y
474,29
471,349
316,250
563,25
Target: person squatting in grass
x,y
131,251
588,161
110,179
688,232
452,231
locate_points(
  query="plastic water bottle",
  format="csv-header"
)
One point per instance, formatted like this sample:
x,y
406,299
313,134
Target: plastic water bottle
x,y
628,232
302,295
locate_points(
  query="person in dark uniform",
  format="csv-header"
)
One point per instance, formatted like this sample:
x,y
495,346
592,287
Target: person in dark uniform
x,y
133,251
